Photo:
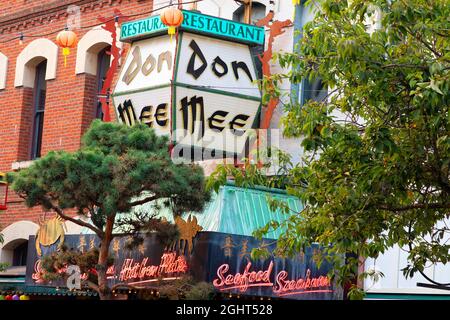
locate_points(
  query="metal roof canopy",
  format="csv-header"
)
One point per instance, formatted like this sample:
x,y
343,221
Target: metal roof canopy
x,y
239,211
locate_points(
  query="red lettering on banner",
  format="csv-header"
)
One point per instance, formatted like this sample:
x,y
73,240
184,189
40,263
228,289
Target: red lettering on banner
x,y
242,281
131,270
285,286
170,264
37,275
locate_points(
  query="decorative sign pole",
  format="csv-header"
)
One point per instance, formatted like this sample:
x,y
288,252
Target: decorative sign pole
x,y
248,11
193,6
116,53
276,28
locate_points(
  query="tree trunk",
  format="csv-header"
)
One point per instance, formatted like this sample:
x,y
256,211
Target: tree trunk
x,y
104,291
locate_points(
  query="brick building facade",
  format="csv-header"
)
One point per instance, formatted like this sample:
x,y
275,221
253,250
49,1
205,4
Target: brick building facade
x,y
70,92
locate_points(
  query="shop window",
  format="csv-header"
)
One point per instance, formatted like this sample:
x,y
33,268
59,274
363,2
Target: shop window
x,y
39,108
103,63
309,89
20,255
14,253
314,90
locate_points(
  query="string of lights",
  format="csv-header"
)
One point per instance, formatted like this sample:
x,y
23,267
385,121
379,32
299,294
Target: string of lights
x,y
22,36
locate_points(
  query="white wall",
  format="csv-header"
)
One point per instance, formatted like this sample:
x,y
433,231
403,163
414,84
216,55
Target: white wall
x,y
391,263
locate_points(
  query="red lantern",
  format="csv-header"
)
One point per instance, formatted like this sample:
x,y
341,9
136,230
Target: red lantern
x,y
173,18
66,39
3,191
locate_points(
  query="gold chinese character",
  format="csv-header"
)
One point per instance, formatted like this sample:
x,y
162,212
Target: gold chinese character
x,y
92,243
116,246
82,243
228,246
244,249
142,248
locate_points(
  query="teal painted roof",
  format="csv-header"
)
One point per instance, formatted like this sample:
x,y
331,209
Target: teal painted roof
x,y
242,211
239,210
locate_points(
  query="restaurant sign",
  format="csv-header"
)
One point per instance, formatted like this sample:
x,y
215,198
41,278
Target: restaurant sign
x,y
220,259
198,90
197,23
147,263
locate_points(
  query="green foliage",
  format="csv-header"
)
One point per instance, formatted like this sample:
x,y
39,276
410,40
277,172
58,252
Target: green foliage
x,y
380,177
184,288
115,165
377,175
200,291
55,264
3,266
356,293
250,174
116,169
143,223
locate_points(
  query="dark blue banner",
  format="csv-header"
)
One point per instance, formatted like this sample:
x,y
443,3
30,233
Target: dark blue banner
x,y
223,260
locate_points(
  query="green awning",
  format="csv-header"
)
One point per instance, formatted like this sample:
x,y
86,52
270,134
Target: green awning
x,y
239,210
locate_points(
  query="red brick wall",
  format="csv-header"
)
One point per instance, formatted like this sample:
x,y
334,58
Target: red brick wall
x,y
70,100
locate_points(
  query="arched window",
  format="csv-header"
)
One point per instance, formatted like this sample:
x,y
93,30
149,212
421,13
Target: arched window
x,y
39,93
20,254
103,63
34,53
13,251
93,60
16,253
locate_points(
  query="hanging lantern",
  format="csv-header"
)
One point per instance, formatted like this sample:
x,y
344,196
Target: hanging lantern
x,y
3,191
172,17
66,39
15,297
24,297
2,297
